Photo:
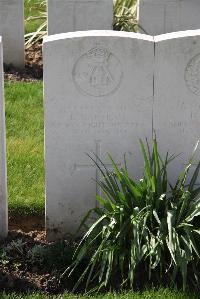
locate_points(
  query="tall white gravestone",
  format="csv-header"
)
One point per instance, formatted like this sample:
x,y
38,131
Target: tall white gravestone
x,y
177,95
12,31
74,15
3,185
98,98
164,16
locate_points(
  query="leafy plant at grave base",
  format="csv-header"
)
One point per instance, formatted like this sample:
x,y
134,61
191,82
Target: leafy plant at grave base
x,y
146,231
4,259
53,256
14,253
58,255
16,246
36,255
125,19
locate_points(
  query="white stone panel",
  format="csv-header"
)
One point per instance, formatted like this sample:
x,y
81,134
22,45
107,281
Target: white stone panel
x,y
75,15
164,16
98,88
3,185
12,31
177,96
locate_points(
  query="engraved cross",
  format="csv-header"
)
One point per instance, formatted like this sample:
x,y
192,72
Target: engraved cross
x,y
97,163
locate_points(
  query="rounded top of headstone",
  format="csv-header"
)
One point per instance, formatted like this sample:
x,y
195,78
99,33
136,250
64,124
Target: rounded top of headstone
x,y
97,33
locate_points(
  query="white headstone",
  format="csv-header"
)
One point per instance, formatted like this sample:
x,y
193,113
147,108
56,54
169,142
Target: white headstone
x,y
177,95
3,186
12,31
164,16
74,15
98,88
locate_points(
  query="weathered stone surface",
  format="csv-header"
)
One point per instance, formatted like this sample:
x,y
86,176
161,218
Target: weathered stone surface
x,y
98,88
164,16
3,185
12,31
75,15
177,96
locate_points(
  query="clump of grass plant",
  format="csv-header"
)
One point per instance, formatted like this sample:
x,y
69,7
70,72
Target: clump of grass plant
x,y
125,15
145,230
35,21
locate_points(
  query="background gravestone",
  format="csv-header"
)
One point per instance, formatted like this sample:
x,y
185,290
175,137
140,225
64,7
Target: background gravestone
x,y
163,16
177,95
75,15
98,88
3,188
12,31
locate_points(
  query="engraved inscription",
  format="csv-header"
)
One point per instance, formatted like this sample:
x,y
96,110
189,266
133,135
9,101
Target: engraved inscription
x,y
192,75
98,72
85,119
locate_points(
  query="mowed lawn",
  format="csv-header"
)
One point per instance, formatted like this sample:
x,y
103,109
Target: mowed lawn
x,y
25,158
160,294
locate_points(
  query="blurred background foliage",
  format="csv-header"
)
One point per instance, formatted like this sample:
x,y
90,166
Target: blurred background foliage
x,y
124,19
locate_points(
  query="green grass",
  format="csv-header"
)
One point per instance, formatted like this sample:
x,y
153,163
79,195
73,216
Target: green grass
x,y
32,8
161,294
24,123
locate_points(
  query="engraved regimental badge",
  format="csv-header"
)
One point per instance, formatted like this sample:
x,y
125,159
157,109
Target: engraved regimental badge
x,y
192,75
97,73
